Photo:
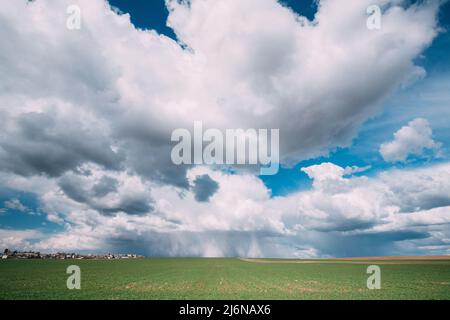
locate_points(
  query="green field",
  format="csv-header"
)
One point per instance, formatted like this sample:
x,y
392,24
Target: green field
x,y
197,278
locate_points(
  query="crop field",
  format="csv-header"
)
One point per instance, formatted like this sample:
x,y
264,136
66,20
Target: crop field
x,y
217,278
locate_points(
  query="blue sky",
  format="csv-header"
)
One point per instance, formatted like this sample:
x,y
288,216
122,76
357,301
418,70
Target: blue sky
x,y
29,216
84,154
152,15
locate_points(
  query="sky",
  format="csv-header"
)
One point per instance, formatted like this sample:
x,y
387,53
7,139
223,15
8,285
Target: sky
x,y
87,116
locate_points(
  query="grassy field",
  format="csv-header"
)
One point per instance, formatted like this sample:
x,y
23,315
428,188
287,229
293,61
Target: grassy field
x,y
192,278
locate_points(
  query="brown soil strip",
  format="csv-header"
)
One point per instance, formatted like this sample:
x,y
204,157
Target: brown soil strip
x,y
377,260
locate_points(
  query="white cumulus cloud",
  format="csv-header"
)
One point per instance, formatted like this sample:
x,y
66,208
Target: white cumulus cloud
x,y
411,140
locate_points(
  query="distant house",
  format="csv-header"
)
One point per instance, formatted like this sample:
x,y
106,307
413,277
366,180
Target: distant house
x,y
7,254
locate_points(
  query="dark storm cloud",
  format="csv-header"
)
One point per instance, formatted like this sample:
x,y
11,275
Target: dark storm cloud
x,y
72,187
133,204
105,186
399,235
217,243
337,244
45,144
428,202
204,187
345,225
155,165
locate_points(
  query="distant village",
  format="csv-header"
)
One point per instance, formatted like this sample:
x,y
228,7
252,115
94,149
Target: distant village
x,y
8,254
